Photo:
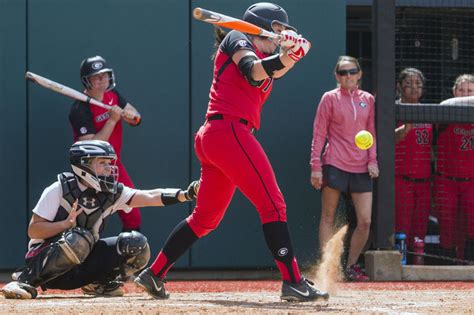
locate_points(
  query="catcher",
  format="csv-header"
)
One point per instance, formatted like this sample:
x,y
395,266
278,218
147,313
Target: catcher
x,y
65,250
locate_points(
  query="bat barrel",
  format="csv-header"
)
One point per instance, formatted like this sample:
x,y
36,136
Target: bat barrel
x,y
30,76
197,13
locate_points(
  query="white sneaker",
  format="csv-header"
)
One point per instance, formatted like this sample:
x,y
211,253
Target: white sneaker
x,y
18,290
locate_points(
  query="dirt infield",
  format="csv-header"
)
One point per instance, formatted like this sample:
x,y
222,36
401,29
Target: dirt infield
x,y
257,297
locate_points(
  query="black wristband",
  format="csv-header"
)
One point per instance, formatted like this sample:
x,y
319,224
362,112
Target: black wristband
x,y
170,198
272,64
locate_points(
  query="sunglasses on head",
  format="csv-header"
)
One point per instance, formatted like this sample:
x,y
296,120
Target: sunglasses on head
x,y
347,72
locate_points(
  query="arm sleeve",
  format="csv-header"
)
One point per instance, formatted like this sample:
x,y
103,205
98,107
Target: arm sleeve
x,y
235,41
81,119
320,131
371,129
48,204
122,101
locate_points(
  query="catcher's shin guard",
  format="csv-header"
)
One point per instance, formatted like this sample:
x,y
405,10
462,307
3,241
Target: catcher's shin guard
x,y
59,257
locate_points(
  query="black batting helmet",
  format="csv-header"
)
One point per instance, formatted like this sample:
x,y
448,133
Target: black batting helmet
x,y
95,65
265,14
81,154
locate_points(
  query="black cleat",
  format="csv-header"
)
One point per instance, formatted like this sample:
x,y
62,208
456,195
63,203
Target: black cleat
x,y
152,284
108,289
302,291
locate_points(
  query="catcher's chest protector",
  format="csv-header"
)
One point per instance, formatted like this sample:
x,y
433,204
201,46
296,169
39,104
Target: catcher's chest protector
x,y
93,204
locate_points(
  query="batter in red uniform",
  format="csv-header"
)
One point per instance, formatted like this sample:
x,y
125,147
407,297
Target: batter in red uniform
x,y
91,122
454,182
412,163
230,155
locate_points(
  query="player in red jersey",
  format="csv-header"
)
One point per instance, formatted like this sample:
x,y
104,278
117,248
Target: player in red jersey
x,y
95,123
412,163
231,156
454,183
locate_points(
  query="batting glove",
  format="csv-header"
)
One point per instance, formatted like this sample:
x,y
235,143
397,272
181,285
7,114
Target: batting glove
x,y
192,191
300,49
288,39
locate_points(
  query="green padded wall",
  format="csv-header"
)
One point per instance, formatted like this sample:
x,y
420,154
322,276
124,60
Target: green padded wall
x,y
151,68
162,64
12,133
285,134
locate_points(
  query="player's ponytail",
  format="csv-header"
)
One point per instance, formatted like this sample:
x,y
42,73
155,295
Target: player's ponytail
x,y
219,35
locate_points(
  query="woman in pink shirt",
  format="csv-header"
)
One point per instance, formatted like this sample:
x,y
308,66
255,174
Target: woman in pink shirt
x,y
343,167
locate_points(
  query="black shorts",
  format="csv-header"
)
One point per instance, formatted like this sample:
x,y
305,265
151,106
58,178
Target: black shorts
x,y
345,181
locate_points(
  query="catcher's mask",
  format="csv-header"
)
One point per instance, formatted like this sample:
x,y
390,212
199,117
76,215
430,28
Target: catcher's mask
x,y
82,156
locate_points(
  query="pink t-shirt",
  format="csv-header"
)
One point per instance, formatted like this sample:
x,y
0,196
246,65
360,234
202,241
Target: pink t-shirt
x,y
340,116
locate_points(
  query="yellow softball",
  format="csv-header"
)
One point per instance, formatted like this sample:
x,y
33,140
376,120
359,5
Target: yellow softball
x,y
364,140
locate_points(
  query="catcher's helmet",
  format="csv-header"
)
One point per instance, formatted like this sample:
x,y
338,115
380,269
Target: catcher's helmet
x,y
81,155
265,14
95,65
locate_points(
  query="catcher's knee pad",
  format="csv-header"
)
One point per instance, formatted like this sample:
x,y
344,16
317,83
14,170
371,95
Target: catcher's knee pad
x,y
61,256
133,246
77,244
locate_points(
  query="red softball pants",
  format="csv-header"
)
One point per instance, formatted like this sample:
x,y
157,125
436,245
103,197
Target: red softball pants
x,y
455,204
412,208
130,220
231,157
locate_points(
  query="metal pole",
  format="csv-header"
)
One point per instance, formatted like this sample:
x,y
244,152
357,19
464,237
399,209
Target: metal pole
x,y
383,13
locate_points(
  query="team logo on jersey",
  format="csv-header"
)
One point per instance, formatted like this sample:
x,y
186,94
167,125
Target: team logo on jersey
x,y
97,65
83,130
363,104
102,117
464,132
242,43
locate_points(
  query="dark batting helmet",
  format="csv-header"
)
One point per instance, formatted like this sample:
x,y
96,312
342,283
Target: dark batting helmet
x,y
95,65
81,155
265,14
